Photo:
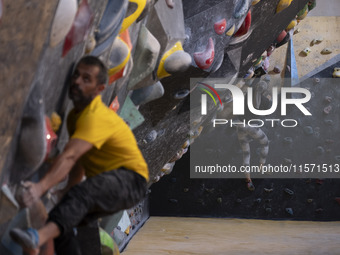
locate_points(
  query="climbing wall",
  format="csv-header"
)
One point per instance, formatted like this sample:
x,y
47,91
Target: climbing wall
x,y
309,29
305,196
152,49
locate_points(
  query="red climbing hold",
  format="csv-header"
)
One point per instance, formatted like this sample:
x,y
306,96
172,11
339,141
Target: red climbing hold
x,y
50,137
281,36
337,199
245,26
220,26
80,28
205,58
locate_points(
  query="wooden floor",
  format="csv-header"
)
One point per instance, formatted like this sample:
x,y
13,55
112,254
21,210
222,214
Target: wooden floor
x,y
192,236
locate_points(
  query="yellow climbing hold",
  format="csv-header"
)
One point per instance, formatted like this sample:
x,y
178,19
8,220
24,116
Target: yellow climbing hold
x,y
55,121
121,53
291,25
231,31
306,51
336,73
255,2
131,18
161,73
283,4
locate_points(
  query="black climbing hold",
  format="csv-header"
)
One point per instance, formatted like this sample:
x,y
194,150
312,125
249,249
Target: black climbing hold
x,y
320,150
289,192
308,130
172,200
181,94
288,140
268,210
289,211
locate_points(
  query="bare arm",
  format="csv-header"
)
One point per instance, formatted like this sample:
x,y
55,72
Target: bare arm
x,y
74,149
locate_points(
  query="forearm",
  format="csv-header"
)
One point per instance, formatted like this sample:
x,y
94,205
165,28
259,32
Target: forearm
x,y
58,171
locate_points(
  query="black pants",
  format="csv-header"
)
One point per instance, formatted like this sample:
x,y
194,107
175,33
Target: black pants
x,y
96,197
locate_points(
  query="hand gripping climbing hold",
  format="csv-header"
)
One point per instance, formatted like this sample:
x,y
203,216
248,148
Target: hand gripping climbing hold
x,y
63,20
220,26
283,4
174,60
205,58
80,27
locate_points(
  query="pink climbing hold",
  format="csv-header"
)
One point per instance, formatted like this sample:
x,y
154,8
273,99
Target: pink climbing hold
x,y
170,3
327,109
281,36
205,58
80,28
220,26
245,26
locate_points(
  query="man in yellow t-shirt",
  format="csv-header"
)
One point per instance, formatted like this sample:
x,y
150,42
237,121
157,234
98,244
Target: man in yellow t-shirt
x,y
103,148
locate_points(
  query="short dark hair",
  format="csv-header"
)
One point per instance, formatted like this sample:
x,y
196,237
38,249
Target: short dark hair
x,y
94,61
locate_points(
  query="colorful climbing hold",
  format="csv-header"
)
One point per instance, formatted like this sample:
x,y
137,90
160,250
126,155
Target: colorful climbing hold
x,y
115,104
55,121
326,51
231,31
170,3
336,72
205,58
80,27
62,21
290,211
281,36
311,5
50,137
303,13
289,192
244,28
270,50
181,94
220,26
327,109
133,16
242,9
283,4
276,69
147,94
177,63
291,25
306,51
119,56
254,2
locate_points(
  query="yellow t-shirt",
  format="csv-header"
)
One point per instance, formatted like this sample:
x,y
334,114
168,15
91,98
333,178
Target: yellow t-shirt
x,y
114,144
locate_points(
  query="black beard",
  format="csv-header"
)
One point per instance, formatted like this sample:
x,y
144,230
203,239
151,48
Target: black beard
x,y
78,98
